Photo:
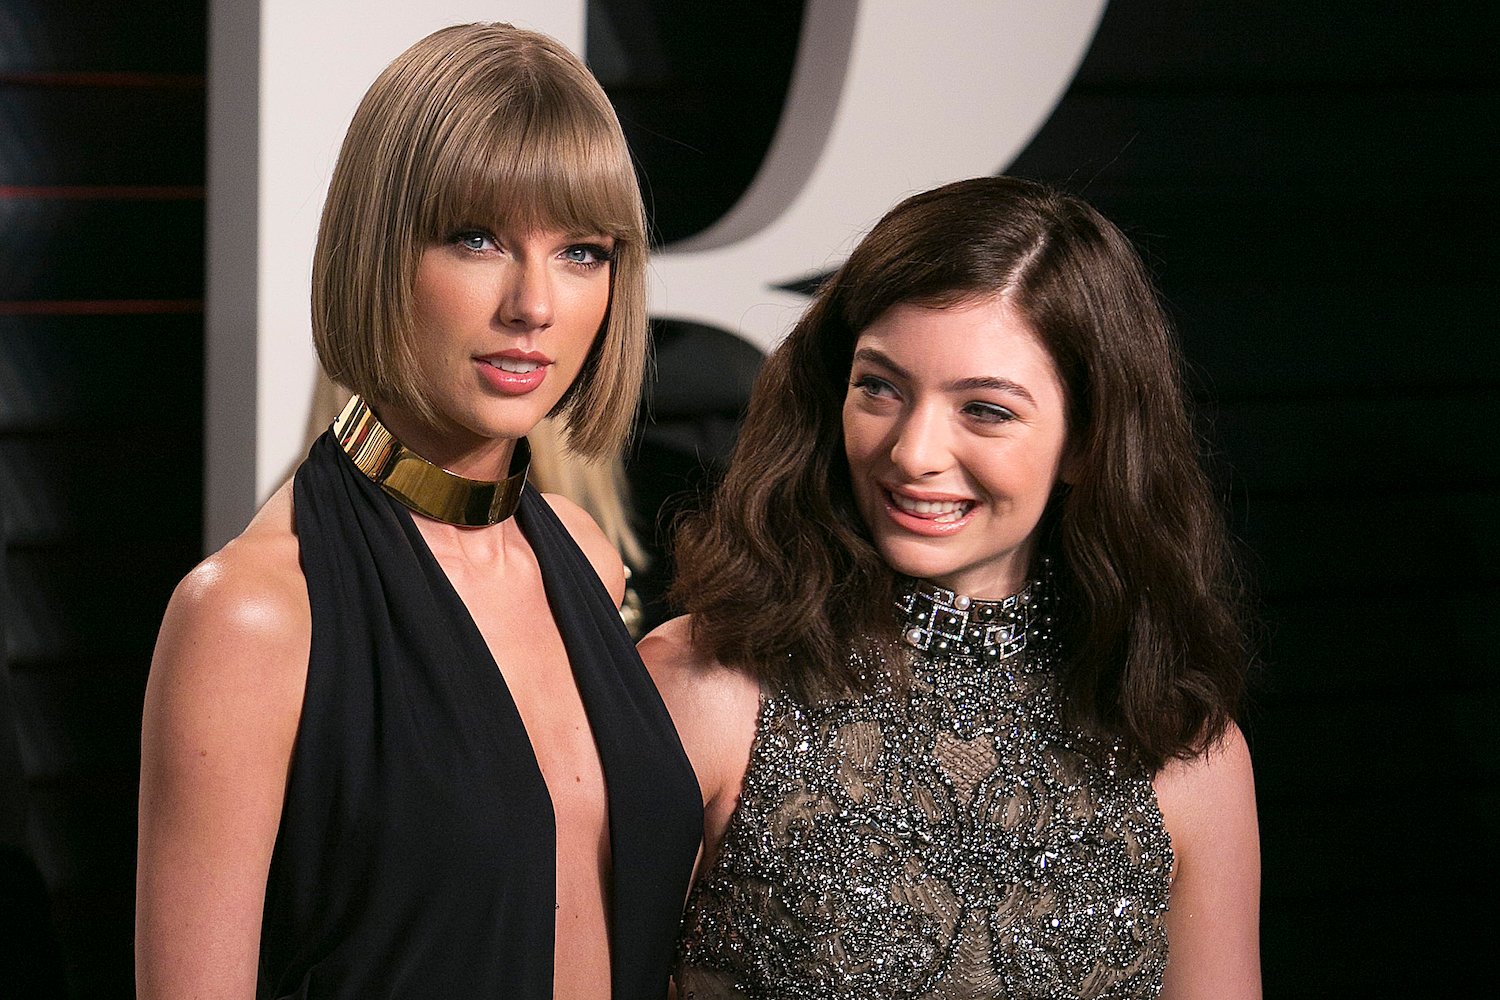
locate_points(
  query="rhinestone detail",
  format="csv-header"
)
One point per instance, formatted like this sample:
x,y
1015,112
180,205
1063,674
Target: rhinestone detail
x,y
939,838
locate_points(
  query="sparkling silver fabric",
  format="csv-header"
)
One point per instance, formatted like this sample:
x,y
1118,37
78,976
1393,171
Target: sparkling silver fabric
x,y
945,840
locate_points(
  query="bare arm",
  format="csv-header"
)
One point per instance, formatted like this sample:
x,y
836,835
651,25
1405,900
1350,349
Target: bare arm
x,y
1213,923
715,709
222,706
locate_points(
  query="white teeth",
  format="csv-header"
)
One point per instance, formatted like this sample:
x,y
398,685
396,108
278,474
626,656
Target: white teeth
x,y
513,365
938,510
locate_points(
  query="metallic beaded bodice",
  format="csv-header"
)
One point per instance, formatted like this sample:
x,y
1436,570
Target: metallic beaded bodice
x,y
940,839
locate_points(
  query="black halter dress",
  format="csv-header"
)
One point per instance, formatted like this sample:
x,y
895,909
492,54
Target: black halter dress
x,y
417,853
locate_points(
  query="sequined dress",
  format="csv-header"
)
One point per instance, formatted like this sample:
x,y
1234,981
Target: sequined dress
x,y
944,840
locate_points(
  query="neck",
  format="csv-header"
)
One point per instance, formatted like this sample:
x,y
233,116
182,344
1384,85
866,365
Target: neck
x,y
421,485
448,445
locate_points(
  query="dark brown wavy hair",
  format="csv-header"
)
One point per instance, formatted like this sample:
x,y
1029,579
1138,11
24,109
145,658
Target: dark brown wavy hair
x,y
779,570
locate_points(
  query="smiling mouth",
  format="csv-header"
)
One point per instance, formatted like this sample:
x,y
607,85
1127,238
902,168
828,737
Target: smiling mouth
x,y
514,366
940,511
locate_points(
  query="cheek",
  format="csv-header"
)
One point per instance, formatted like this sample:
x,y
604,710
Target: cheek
x,y
588,303
439,302
1044,472
579,341
857,444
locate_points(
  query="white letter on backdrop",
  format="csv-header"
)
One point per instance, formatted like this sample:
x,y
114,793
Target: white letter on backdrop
x,y
886,99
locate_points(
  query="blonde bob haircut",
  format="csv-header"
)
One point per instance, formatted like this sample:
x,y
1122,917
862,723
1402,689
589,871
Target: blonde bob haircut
x,y
474,126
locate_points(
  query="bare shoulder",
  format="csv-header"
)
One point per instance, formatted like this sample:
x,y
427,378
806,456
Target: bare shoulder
x,y
689,674
1196,791
603,556
714,707
238,625
671,648
251,591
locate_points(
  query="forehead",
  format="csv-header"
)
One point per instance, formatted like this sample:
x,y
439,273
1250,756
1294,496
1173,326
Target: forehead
x,y
973,339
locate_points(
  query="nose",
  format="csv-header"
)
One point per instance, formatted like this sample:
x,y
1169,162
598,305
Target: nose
x,y
922,445
526,298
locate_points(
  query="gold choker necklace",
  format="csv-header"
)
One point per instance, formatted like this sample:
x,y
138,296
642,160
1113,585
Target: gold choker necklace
x,y
422,486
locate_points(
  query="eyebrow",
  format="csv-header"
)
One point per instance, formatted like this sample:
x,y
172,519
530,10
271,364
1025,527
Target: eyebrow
x,y
970,384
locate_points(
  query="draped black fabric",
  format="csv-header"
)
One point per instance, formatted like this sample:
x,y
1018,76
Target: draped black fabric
x,y
416,855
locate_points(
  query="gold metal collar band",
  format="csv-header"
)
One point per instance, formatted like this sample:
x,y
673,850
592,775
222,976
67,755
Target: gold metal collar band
x,y
422,486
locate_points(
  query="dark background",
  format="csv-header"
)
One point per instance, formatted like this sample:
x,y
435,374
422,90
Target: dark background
x,y
1310,183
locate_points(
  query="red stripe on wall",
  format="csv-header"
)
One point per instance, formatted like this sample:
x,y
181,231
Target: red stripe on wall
x,y
112,192
99,307
86,79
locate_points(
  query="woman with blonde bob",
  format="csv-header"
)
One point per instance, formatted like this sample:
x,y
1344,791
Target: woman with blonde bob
x,y
959,678
397,742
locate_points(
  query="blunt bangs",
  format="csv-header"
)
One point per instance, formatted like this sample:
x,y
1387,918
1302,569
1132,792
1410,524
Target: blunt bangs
x,y
545,159
540,148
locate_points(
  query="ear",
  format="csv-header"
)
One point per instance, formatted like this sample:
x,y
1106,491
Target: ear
x,y
1071,465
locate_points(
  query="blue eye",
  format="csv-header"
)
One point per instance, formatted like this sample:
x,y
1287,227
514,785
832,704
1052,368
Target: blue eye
x,y
588,254
473,239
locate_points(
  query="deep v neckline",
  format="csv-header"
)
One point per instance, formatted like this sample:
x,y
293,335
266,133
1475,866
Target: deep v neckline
x,y
482,658
417,852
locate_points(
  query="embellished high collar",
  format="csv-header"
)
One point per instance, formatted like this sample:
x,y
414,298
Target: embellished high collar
x,y
944,624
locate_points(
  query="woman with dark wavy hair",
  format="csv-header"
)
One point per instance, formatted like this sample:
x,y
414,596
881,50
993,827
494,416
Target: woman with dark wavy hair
x,y
964,644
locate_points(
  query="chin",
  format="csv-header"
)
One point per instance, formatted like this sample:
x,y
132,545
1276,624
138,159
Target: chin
x,y
923,565
982,580
510,421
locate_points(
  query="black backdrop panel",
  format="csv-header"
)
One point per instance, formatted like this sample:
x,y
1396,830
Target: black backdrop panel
x,y
101,385
1310,184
